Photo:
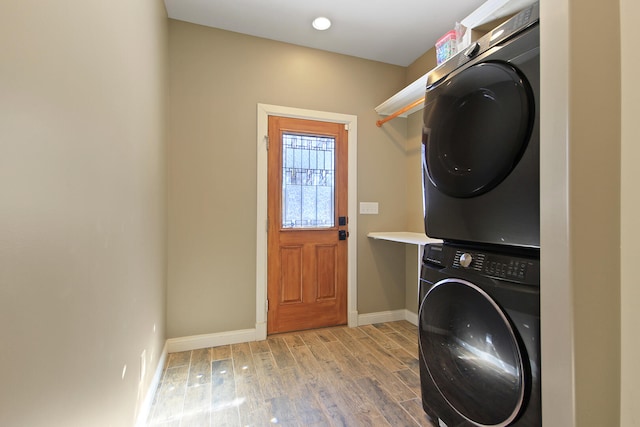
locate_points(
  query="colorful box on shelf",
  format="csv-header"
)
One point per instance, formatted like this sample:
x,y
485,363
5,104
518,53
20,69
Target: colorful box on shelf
x,y
446,46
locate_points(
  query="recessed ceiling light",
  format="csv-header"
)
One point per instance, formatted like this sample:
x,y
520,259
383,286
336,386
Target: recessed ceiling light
x,y
321,23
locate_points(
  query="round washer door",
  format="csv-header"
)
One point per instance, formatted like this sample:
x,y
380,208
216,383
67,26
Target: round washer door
x,y
476,127
471,353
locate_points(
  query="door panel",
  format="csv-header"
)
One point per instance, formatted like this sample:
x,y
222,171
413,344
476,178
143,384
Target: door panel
x,y
306,261
326,256
291,274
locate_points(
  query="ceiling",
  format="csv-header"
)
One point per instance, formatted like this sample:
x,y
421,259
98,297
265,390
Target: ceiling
x,y
391,31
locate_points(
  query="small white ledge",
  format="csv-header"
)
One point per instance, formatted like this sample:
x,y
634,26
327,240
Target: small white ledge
x,y
403,237
406,96
494,9
489,11
419,239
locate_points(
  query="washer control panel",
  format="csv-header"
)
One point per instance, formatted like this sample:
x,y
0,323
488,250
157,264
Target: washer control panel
x,y
513,268
469,260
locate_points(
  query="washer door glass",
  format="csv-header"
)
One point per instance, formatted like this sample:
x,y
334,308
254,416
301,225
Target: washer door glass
x,y
476,127
471,353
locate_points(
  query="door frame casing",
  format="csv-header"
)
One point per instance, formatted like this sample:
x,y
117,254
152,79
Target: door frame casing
x,y
351,121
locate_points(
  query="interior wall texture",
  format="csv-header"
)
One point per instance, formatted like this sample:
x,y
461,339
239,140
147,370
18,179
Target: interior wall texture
x,y
630,226
216,79
580,213
415,210
594,148
82,228
414,207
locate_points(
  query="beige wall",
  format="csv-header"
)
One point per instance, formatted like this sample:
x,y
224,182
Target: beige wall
x,y
82,230
630,227
595,225
216,80
580,213
413,175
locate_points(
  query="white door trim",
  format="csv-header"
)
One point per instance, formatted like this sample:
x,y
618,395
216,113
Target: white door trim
x,y
264,111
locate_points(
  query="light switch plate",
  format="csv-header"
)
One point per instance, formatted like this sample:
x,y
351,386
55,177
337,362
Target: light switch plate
x,y
369,208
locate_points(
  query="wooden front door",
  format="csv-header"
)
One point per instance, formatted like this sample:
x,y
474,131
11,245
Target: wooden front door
x,y
307,224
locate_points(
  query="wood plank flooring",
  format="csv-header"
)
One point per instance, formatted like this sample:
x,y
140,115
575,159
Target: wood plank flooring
x,y
365,376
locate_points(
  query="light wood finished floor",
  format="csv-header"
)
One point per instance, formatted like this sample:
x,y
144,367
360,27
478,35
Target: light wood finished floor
x,y
365,376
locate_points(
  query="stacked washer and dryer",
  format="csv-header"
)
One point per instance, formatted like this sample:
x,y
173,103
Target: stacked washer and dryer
x,y
479,318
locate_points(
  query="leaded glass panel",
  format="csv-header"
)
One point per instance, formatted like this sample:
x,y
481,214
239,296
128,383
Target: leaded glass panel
x,y
308,181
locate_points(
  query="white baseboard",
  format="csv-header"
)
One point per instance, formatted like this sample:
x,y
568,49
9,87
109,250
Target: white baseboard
x,y
353,319
411,317
195,342
145,409
387,316
261,331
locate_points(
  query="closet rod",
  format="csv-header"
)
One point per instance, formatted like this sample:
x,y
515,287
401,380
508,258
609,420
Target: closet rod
x,y
392,116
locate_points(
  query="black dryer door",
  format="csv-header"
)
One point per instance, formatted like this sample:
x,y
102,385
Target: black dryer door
x,y
471,353
476,127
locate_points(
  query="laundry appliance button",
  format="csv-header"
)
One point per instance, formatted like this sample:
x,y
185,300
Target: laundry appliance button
x,y
465,259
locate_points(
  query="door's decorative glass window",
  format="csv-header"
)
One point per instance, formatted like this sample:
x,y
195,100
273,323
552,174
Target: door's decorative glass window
x,y
308,181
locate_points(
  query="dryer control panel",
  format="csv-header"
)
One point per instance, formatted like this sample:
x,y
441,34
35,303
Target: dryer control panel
x,y
505,31
513,268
